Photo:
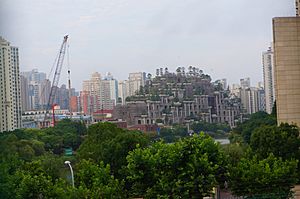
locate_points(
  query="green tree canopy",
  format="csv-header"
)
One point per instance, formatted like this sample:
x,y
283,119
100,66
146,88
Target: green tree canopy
x,y
283,141
105,142
95,181
189,168
256,120
234,153
205,126
268,178
32,181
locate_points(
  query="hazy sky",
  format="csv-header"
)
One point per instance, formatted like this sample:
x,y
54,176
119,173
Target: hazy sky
x,y
225,38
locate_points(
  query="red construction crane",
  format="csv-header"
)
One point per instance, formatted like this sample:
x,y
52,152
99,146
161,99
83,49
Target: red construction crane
x,y
59,63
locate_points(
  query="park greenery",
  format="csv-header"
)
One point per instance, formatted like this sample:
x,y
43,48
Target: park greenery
x,y
262,161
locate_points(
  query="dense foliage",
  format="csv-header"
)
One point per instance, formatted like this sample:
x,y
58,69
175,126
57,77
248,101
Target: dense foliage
x,y
267,178
189,168
217,131
205,126
109,162
170,135
105,142
264,157
245,129
282,141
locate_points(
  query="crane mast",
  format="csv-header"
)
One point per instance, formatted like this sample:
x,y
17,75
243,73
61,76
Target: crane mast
x,y
56,77
70,94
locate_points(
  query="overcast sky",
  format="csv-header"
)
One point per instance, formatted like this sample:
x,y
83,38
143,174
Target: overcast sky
x,y
225,38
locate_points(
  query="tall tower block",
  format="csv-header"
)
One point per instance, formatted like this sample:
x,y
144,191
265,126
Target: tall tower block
x,y
10,94
286,37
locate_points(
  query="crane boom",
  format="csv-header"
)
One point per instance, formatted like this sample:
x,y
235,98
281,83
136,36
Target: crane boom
x,y
56,77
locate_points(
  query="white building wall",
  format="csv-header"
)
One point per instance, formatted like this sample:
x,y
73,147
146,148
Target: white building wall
x,y
122,90
268,74
10,93
136,80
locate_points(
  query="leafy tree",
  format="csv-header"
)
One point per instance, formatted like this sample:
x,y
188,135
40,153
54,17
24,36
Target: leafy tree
x,y
9,164
25,151
70,131
26,146
268,178
256,120
282,141
52,164
189,168
235,138
205,126
31,181
168,135
105,142
26,134
96,181
173,134
37,186
76,127
38,147
53,142
234,153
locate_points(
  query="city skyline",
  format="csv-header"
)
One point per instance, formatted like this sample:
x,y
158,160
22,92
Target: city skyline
x,y
139,36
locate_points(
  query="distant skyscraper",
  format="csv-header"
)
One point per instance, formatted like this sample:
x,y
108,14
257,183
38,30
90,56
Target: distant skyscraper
x,y
93,86
74,104
109,92
260,85
136,80
37,89
62,97
245,83
45,88
10,94
252,99
286,35
113,84
268,73
24,93
122,90
106,101
34,75
85,102
235,89
224,83
34,95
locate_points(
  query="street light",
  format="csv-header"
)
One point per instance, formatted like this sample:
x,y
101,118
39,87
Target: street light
x,y
72,174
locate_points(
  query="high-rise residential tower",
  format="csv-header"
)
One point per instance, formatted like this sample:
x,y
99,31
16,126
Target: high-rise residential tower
x,y
268,73
135,81
245,83
93,87
24,93
122,90
10,94
108,92
286,38
38,89
250,99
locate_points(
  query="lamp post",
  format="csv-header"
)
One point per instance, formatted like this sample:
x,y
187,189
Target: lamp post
x,y
72,174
